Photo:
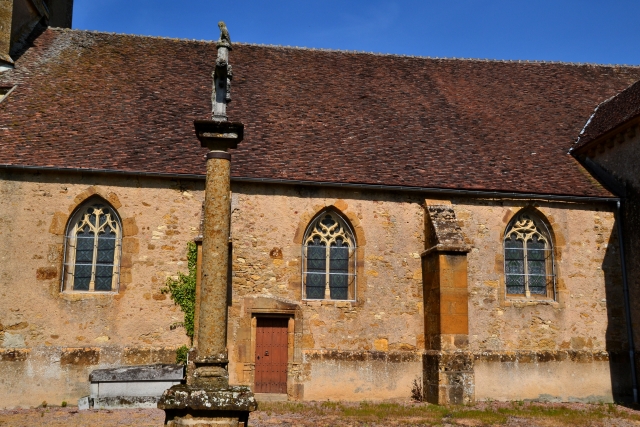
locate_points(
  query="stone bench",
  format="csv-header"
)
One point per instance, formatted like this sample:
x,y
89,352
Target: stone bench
x,y
130,386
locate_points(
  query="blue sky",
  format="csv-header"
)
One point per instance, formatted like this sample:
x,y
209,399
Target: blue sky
x,y
597,31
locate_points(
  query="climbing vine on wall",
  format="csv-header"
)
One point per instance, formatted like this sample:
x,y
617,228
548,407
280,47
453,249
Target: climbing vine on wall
x,y
183,291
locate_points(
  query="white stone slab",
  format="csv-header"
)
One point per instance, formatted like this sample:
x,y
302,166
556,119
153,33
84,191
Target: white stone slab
x,y
131,388
83,403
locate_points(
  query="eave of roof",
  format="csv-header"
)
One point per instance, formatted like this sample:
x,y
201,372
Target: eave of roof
x,y
328,184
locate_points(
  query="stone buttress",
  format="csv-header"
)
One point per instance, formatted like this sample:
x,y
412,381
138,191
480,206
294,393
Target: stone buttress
x,y
447,364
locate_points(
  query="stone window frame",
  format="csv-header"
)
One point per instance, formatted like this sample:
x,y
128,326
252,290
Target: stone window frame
x,y
70,246
130,242
539,220
353,219
340,231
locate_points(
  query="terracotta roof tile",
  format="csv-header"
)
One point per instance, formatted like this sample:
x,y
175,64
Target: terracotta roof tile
x,y
610,114
106,101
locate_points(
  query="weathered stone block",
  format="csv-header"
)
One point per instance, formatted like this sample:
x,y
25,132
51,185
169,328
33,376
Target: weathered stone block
x,y
14,355
137,356
130,245
84,403
46,273
448,377
454,324
58,223
454,303
80,357
129,227
183,403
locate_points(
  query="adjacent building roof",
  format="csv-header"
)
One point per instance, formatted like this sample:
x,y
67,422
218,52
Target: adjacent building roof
x,y
610,114
118,102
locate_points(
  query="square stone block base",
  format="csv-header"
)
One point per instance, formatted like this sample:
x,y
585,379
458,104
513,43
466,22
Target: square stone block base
x,y
448,377
206,421
186,405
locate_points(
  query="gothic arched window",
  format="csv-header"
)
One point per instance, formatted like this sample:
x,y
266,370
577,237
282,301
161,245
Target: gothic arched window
x,y
92,249
329,256
528,257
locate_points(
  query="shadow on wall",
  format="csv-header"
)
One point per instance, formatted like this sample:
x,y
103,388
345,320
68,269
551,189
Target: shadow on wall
x,y
617,344
632,254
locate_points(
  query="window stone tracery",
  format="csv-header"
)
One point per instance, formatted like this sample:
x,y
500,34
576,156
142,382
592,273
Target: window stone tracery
x,y
528,258
328,251
93,244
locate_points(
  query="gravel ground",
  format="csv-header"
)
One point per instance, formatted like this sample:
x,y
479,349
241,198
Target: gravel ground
x,y
70,416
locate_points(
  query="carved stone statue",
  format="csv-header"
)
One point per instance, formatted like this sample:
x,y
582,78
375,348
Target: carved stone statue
x,y
222,75
224,33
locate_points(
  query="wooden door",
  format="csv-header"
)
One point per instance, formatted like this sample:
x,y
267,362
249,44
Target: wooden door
x,y
271,355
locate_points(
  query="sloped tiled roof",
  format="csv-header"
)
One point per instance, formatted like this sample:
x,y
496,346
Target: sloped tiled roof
x,y
127,103
610,114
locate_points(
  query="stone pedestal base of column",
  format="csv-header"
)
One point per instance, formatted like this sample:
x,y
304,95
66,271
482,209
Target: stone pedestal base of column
x,y
448,377
186,405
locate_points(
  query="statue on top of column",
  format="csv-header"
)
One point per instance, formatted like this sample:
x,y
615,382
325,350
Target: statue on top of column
x,y
224,34
222,75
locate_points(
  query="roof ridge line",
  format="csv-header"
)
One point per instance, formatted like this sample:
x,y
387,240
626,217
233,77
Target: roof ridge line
x,y
447,58
356,52
142,36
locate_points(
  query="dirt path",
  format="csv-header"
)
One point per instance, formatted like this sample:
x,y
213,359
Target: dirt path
x,y
70,416
329,414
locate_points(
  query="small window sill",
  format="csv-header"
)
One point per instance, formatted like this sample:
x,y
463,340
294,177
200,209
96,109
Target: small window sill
x,y
331,302
79,295
525,302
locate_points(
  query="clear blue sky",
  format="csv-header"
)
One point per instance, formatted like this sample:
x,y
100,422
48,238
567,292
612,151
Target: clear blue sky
x,y
598,31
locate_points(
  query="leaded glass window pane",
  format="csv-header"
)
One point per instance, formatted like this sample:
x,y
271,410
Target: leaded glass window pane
x,y
339,267
93,249
84,258
316,270
84,246
104,276
106,248
514,265
528,258
82,277
328,248
537,266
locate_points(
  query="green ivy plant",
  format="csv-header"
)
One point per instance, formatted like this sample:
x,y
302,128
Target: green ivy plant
x,y
182,355
183,293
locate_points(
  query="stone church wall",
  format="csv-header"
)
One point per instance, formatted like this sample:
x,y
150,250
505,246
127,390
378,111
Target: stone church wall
x,y
547,350
50,341
564,343
369,348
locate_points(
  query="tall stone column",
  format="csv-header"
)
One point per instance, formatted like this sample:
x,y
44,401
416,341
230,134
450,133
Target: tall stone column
x,y
207,399
211,358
